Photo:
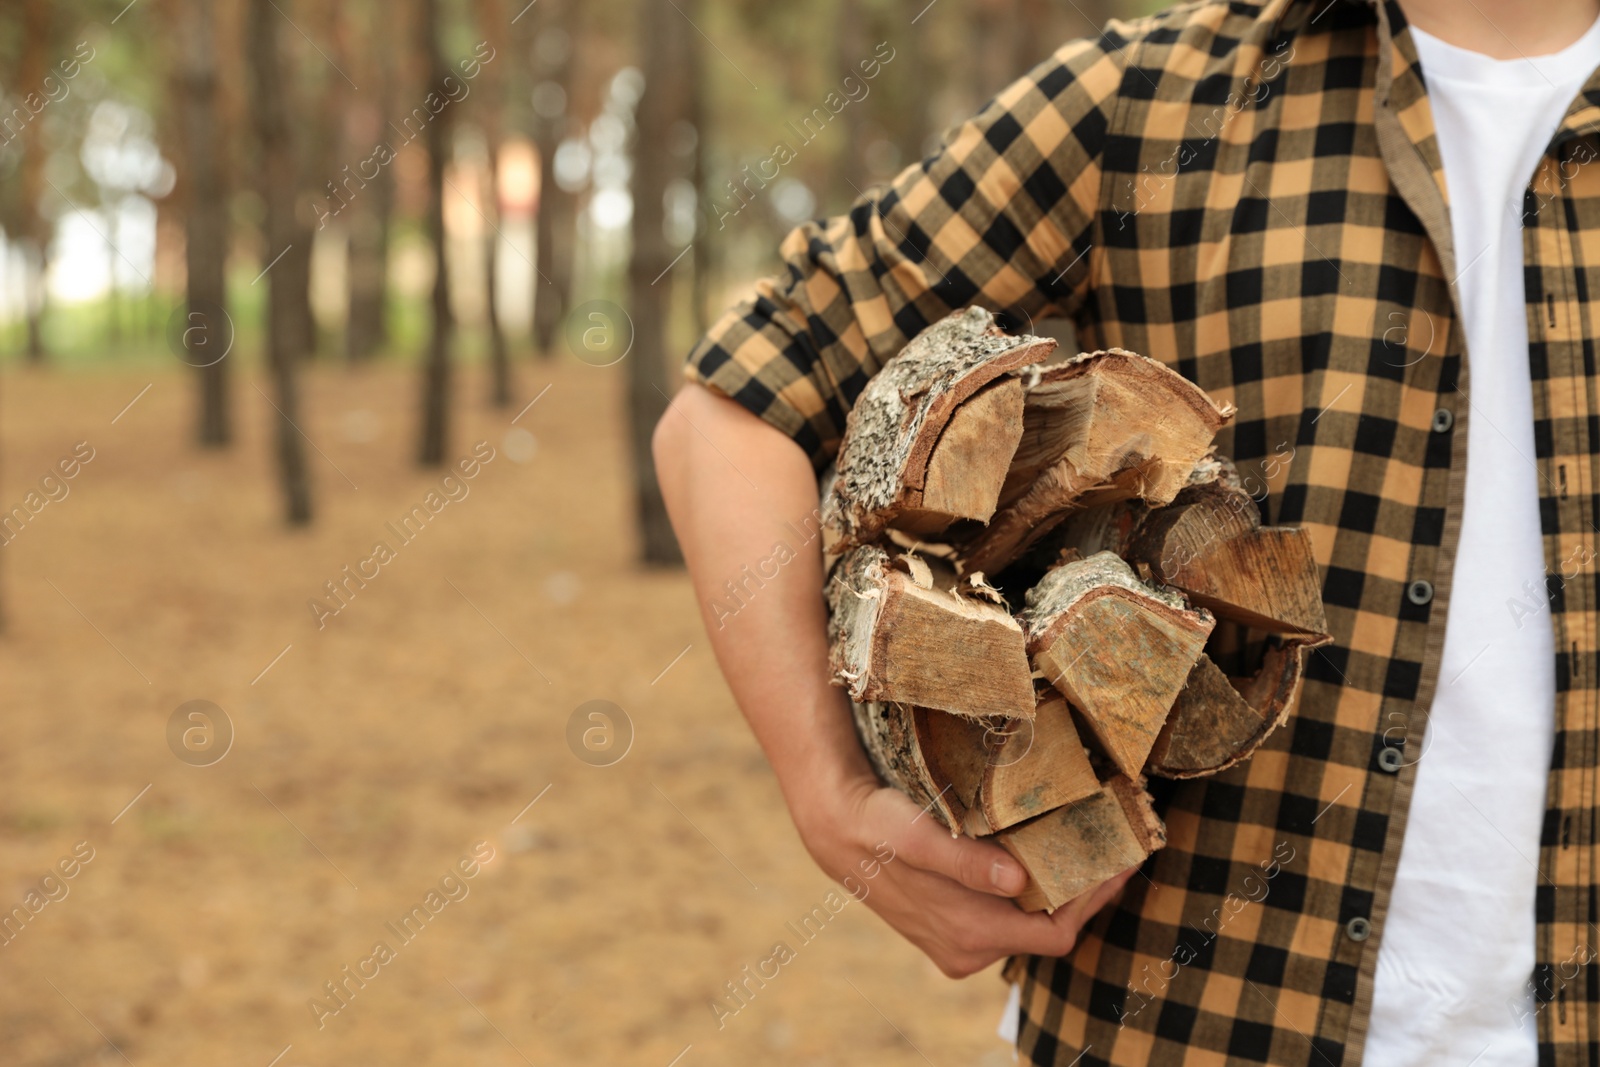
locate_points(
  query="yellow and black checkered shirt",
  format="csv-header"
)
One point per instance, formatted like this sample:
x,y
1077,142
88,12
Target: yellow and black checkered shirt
x,y
1253,194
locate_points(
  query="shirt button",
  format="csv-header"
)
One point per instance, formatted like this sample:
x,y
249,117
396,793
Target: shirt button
x,y
1358,929
1443,419
1419,592
1391,759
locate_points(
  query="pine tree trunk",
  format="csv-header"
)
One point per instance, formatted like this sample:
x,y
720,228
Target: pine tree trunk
x,y
366,328
1086,18
293,272
499,356
704,255
851,44
993,47
436,374
915,127
34,229
666,101
277,175
206,230
372,55
491,97
557,221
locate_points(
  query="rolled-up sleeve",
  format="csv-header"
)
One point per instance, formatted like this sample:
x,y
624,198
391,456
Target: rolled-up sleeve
x,y
1000,216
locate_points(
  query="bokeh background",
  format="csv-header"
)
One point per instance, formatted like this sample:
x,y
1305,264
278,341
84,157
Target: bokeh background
x,y
285,280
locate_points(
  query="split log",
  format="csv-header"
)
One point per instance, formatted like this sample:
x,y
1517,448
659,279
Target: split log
x,y
1212,727
1218,722
1076,847
1210,543
896,748
906,630
954,751
1107,528
1119,650
1035,767
887,467
1101,427
968,463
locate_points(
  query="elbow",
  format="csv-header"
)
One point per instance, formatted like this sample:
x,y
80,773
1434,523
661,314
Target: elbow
x,y
667,444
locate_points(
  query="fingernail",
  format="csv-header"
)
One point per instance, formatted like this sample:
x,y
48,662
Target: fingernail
x,y
1006,877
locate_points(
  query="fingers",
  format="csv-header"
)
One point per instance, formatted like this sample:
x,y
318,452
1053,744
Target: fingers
x,y
1079,910
949,895
1056,933
975,864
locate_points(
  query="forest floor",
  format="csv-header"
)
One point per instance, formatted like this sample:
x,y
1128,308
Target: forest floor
x,y
369,756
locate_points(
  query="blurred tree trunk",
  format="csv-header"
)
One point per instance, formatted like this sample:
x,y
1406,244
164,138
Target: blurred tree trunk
x,y
915,128
111,222
557,223
704,252
668,75
436,377
1086,18
205,228
295,266
851,44
366,322
318,106
277,176
996,39
34,231
491,99
499,357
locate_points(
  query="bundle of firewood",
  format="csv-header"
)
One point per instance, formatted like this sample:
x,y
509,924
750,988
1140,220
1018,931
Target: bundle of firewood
x,y
1162,629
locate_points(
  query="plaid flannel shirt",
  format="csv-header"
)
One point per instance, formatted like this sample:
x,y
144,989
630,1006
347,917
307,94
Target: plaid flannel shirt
x,y
1253,194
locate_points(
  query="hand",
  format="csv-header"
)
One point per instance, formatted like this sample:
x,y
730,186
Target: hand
x,y
949,896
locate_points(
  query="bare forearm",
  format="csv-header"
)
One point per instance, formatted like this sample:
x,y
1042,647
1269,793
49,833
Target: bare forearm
x,y
743,501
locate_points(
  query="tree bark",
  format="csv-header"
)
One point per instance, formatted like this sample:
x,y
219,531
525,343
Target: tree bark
x,y
499,356
318,112
703,258
38,26
992,47
366,322
665,101
852,47
277,176
557,215
294,274
492,18
899,418
436,375
206,230
915,127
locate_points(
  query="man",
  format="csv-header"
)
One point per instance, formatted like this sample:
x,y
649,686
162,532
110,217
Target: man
x,y
1316,211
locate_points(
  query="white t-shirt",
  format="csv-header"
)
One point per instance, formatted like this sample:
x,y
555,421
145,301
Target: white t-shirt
x,y
1457,948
